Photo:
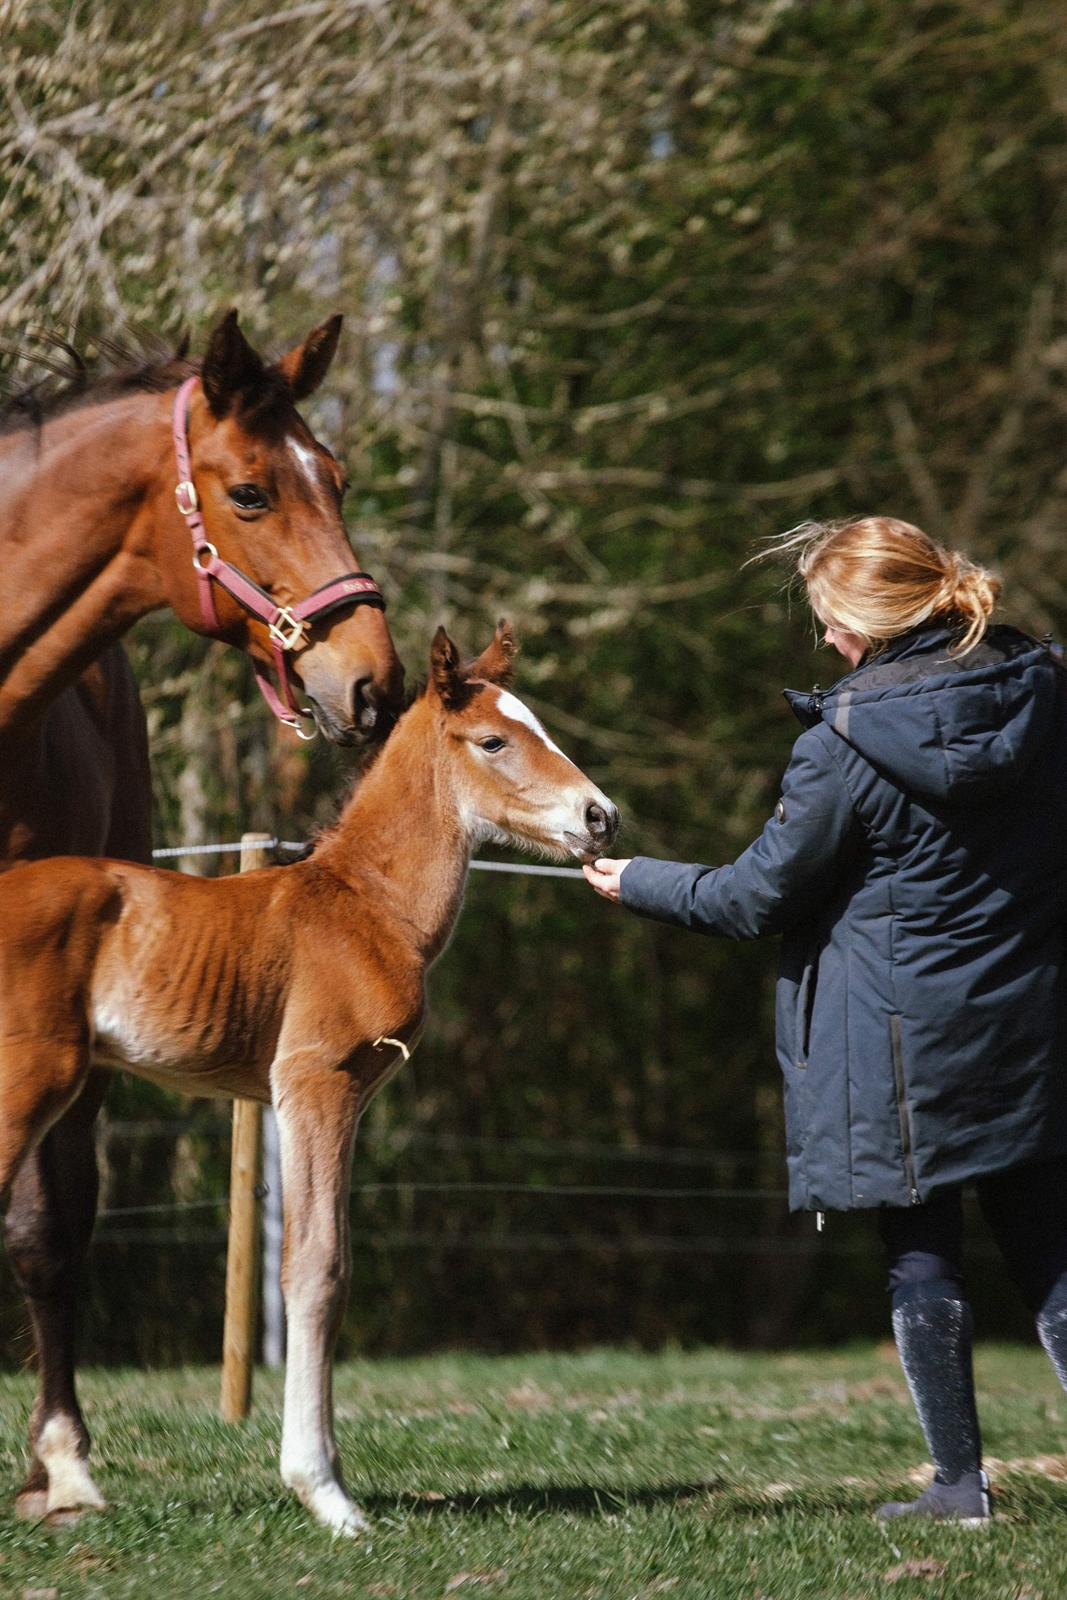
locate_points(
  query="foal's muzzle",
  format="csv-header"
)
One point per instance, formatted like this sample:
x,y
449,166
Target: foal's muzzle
x,y
601,822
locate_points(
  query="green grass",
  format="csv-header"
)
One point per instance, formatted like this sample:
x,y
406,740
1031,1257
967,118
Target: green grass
x,y
606,1474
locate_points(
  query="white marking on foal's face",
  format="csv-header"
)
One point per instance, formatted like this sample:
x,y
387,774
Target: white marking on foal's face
x,y
524,806
509,705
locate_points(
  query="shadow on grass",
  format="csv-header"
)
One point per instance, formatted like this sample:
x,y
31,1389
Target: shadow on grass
x,y
583,1500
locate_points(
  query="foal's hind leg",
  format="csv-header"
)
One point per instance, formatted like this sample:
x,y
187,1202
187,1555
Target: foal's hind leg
x,y
47,1229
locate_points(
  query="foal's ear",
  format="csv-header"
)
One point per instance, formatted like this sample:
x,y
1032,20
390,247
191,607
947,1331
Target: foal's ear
x,y
446,673
496,664
230,368
305,367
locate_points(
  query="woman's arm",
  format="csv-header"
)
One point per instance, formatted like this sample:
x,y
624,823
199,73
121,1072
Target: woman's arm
x,y
785,875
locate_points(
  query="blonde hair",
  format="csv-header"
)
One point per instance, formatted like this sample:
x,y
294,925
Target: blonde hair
x,y
878,577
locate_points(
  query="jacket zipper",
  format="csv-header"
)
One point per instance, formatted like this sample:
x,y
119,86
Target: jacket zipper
x,y
902,1110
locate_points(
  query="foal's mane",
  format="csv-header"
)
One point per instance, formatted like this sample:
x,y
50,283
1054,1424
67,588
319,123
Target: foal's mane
x,y
71,378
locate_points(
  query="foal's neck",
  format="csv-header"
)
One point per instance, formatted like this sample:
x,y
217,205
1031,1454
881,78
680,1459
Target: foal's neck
x,y
404,829
75,529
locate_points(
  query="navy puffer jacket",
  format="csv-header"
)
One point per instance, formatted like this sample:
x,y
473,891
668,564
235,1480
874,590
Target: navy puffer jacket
x,y
917,867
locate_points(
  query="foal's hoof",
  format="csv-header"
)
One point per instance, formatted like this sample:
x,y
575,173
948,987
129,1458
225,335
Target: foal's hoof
x,y
333,1508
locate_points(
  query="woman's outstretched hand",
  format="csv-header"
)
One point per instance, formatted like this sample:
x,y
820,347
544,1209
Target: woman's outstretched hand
x,y
604,875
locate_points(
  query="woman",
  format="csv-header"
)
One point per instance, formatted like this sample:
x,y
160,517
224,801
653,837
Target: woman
x,y
916,865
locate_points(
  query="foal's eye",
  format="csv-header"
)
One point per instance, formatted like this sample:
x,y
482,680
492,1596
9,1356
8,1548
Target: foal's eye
x,y
248,497
492,743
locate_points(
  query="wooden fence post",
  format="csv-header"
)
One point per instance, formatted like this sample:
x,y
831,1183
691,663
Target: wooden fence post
x,y
239,1325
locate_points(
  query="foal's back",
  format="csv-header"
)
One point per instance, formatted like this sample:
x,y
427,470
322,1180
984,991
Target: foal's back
x,y
191,981
167,974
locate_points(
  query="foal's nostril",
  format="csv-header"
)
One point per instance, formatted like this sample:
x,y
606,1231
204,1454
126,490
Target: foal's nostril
x,y
600,821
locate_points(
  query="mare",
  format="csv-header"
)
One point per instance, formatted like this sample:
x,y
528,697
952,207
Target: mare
x,y
301,986
93,538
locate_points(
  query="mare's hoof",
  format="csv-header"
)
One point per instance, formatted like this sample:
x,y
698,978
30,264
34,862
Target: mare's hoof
x,y
31,1505
70,1516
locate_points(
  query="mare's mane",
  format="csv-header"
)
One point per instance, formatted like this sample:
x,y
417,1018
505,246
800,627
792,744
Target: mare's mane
x,y
71,379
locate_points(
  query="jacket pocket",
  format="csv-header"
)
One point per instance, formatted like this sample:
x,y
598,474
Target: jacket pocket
x,y
809,983
900,1082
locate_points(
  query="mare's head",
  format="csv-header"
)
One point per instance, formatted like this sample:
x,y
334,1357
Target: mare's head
x,y
270,496
513,785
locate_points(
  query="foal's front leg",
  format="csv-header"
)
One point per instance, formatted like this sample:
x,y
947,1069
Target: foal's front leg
x,y
317,1112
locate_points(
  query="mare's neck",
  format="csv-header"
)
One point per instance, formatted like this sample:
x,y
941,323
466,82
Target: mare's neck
x,y
79,499
403,829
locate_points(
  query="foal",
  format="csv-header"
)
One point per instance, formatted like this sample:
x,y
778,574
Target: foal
x,y
303,987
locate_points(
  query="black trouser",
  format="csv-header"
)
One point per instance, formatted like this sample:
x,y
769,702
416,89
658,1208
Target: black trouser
x,y
1026,1209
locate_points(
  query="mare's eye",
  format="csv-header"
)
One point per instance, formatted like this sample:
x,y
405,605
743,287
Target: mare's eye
x,y
492,743
248,497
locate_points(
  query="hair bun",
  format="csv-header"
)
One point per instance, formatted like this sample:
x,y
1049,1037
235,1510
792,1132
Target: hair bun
x,y
972,591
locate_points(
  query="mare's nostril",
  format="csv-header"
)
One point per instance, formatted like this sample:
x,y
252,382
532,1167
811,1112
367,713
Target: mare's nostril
x,y
365,704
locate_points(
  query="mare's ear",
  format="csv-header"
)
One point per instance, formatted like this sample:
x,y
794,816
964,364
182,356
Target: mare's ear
x,y
305,367
231,367
496,664
446,674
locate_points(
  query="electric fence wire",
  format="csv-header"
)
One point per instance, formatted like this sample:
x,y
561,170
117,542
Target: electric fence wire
x,y
522,868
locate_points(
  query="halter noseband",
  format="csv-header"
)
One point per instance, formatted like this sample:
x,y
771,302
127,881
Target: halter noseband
x,y
288,626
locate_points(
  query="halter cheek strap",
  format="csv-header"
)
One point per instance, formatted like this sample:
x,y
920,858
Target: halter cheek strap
x,y
288,626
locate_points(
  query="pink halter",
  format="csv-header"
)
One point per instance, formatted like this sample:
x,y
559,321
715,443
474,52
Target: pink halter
x,y
288,625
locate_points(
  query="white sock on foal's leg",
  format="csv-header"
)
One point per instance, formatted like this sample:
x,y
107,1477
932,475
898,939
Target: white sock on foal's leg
x,y
309,1453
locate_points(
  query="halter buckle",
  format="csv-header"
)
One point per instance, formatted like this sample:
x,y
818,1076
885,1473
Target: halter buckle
x,y
186,496
287,631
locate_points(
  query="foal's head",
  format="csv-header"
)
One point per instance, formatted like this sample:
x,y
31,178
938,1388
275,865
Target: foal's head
x,y
270,495
512,783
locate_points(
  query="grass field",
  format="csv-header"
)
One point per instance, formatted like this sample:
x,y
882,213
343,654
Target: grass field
x,y
606,1474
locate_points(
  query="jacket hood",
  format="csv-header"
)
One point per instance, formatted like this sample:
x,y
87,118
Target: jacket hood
x,y
948,729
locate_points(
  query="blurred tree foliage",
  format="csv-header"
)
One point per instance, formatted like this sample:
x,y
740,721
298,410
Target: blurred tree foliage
x,y
629,287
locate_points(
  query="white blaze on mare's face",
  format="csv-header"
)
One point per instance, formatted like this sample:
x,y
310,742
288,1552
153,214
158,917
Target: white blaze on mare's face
x,y
509,705
309,463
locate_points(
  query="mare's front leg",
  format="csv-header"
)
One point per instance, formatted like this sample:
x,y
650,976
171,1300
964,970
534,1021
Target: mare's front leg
x,y
49,1222
317,1111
